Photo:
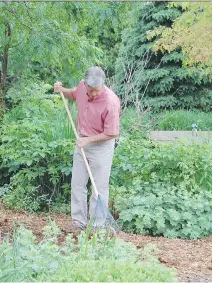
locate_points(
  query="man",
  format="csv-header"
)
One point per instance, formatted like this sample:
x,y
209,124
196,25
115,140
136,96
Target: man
x,y
98,126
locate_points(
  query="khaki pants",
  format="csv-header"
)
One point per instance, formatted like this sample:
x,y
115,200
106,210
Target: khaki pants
x,y
99,156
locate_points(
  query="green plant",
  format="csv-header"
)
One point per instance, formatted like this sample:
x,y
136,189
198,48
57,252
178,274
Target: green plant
x,y
148,77
162,189
183,120
22,259
36,153
113,271
131,124
40,175
161,209
185,164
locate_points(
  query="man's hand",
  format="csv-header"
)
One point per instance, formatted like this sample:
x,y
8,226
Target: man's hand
x,y
58,87
67,92
81,142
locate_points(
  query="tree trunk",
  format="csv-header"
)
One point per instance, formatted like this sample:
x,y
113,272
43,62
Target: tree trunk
x,y
3,73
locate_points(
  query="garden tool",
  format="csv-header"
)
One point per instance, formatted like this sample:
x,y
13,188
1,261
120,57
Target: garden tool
x,y
102,219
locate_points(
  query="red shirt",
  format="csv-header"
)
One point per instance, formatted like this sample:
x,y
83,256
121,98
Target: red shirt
x,y
100,115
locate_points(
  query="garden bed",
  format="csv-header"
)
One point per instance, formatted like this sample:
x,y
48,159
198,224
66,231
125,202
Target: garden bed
x,y
191,258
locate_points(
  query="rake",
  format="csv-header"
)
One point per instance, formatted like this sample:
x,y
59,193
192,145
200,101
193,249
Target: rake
x,y
102,218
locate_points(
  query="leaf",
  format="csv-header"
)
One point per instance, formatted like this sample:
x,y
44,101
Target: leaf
x,y
29,162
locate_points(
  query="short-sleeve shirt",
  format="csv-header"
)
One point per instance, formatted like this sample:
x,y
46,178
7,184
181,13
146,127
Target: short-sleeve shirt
x,y
100,115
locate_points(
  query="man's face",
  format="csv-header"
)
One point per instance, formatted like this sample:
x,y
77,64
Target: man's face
x,y
93,91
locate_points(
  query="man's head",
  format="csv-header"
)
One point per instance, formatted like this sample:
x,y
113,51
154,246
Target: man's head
x,y
94,81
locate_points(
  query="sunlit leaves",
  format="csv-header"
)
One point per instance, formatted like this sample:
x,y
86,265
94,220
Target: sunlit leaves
x,y
191,31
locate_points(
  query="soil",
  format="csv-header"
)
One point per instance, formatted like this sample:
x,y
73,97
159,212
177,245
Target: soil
x,y
191,258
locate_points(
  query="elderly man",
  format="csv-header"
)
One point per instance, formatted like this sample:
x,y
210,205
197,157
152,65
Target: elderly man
x,y
98,126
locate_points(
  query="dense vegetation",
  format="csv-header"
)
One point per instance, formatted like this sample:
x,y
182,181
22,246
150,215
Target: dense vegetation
x,y
157,189
155,79
98,259
163,189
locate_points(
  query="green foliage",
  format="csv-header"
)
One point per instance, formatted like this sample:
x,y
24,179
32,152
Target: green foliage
x,y
155,79
106,259
178,120
109,19
183,120
60,40
131,123
41,174
49,41
163,209
184,164
192,101
36,153
163,189
116,271
194,22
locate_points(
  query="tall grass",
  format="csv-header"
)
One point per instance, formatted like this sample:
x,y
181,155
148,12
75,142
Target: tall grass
x,y
179,120
60,128
183,120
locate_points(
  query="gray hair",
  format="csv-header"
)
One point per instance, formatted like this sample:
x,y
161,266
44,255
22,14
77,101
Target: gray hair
x,y
94,77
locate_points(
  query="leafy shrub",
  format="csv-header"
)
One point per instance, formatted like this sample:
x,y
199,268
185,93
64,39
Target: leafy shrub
x,y
185,101
36,152
183,164
159,104
97,259
183,120
162,189
29,87
162,209
41,173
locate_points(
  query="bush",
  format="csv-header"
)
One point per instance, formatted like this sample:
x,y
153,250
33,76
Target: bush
x,y
179,120
99,259
163,210
41,172
162,189
36,152
183,164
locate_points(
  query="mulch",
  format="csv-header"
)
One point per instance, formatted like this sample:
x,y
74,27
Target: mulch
x,y
191,258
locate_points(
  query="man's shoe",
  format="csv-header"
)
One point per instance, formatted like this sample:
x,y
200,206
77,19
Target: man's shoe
x,y
75,228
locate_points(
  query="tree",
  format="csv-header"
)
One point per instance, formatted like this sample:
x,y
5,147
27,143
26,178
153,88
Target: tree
x,y
43,38
108,21
192,31
153,78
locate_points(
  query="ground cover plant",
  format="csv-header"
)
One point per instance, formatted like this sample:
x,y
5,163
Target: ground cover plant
x,y
98,259
163,189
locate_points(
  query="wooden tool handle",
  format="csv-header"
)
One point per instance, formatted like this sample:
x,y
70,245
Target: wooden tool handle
x,y
82,151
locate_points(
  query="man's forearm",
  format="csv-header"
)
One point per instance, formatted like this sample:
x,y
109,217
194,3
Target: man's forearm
x,y
82,141
101,137
68,92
